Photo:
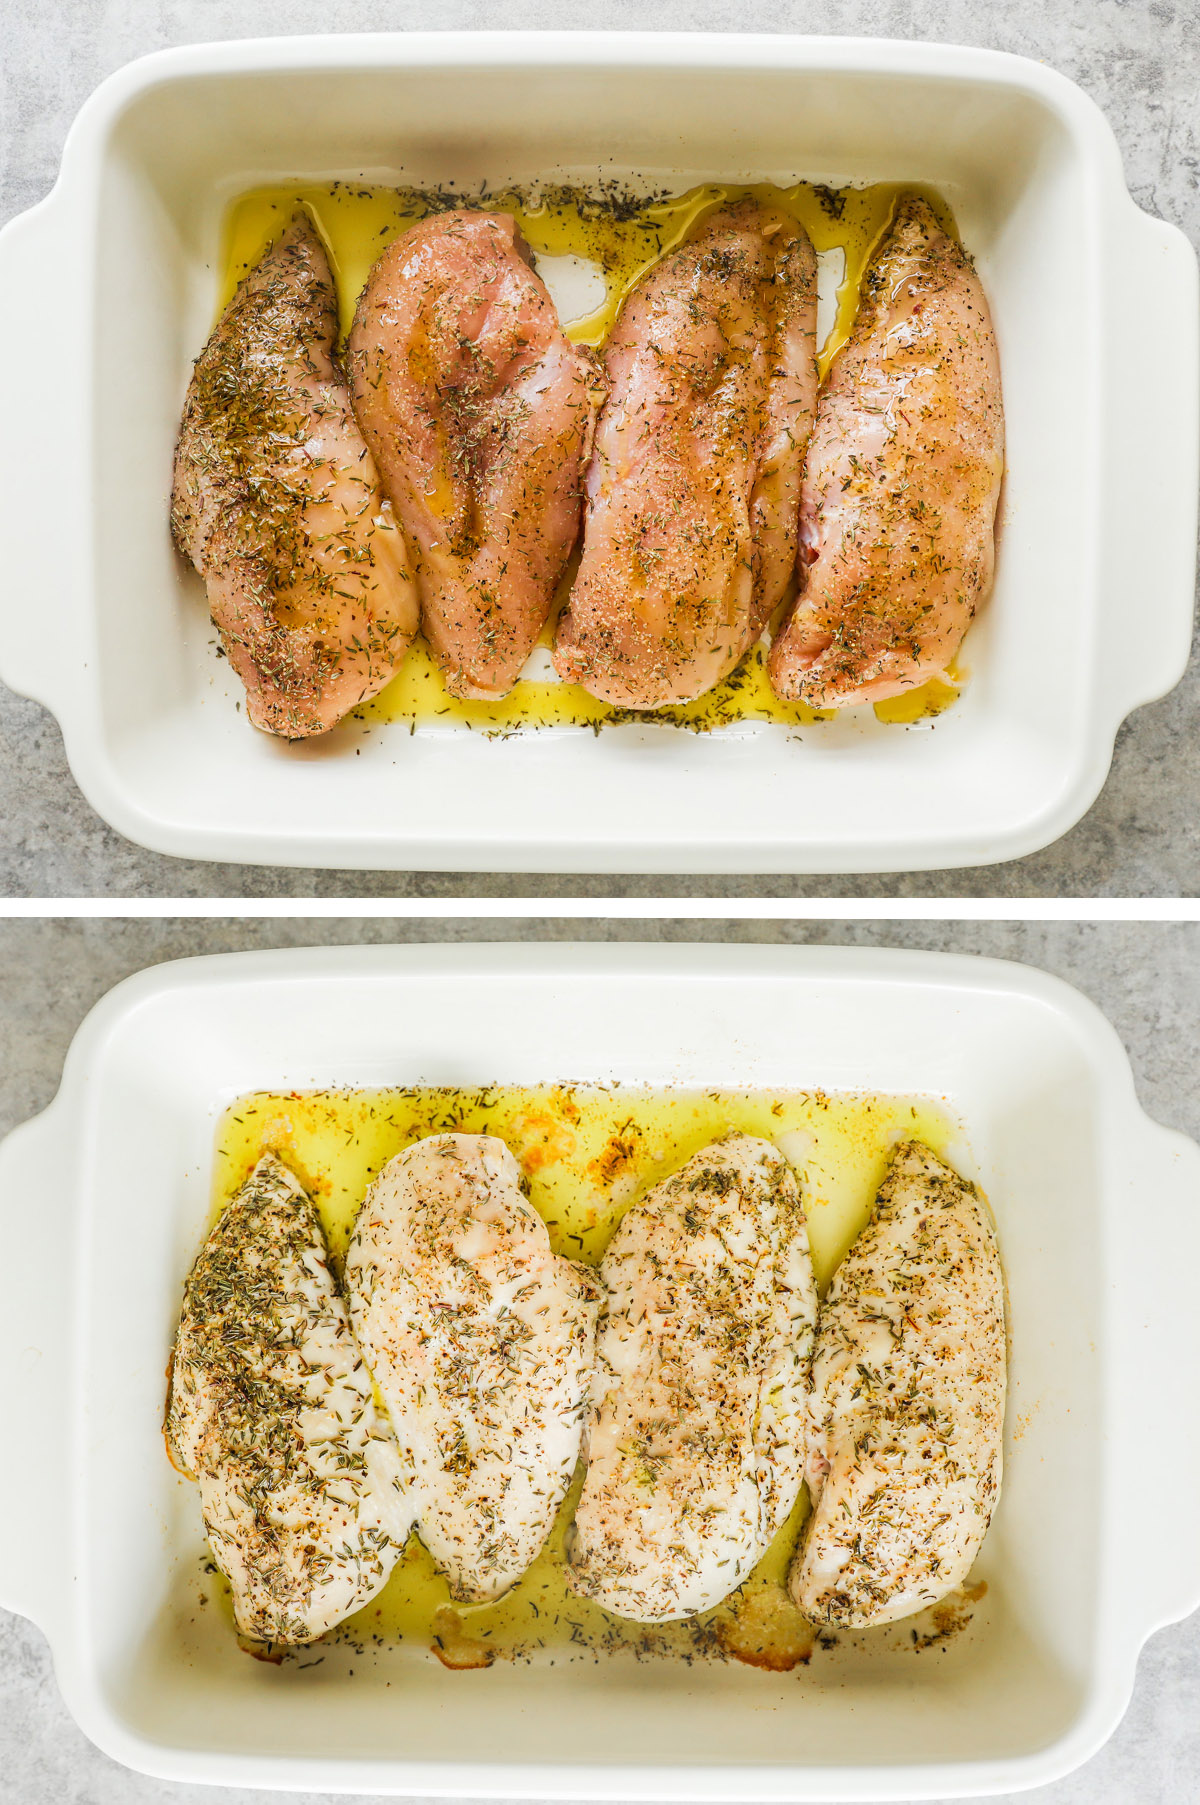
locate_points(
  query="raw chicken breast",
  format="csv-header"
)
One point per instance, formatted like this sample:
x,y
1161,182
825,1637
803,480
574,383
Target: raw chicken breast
x,y
278,505
904,1451
480,413
695,1444
901,480
481,1341
272,1410
690,531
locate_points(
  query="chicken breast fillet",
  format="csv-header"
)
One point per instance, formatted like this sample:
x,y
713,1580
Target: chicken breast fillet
x,y
694,1447
277,503
480,413
481,1340
905,1434
272,1410
692,493
901,482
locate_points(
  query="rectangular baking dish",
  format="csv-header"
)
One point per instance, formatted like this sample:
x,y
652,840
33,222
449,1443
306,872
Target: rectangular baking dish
x,y
109,288
1098,1209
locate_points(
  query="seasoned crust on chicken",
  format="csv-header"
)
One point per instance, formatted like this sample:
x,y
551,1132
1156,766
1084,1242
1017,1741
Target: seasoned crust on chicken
x,y
905,1431
277,503
695,1441
901,480
481,1340
690,528
480,413
271,1409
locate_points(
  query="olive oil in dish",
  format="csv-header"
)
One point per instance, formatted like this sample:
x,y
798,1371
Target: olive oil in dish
x,y
586,1153
618,238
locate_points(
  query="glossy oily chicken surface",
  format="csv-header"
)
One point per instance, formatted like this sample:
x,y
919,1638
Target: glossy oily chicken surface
x,y
694,1444
480,413
901,480
692,491
277,502
271,1410
904,1445
481,1339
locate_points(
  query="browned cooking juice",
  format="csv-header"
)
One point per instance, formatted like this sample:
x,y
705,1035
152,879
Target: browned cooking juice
x,y
586,1153
623,240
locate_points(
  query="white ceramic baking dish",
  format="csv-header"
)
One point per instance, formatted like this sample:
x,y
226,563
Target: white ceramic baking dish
x,y
1094,1544
108,288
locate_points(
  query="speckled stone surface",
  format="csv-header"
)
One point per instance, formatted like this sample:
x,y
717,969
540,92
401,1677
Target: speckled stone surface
x,y
1140,59
1145,977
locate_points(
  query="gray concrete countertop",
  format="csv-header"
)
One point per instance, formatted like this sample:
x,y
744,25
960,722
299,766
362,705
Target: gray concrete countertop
x,y
1145,977
1140,59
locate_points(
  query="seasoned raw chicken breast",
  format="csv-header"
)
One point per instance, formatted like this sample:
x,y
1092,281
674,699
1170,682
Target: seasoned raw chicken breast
x,y
271,1409
901,480
695,1442
481,1341
690,530
278,505
904,1450
480,412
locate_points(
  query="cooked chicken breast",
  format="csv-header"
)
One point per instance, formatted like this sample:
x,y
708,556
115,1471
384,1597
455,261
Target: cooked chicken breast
x,y
901,481
272,1410
904,1450
480,413
278,505
695,1442
690,530
481,1341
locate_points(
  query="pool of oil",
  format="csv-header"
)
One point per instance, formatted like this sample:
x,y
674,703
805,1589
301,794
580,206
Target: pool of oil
x,y
586,1153
623,237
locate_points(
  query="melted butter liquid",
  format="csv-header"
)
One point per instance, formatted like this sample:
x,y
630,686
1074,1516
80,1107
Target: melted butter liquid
x,y
932,698
359,222
587,1153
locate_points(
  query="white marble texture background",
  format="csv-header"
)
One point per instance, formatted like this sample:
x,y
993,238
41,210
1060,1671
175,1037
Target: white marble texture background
x,y
1145,977
1140,59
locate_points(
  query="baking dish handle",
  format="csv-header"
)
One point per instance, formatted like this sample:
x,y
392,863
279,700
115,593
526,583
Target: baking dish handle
x,y
35,1358
1156,1382
1152,476
43,524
